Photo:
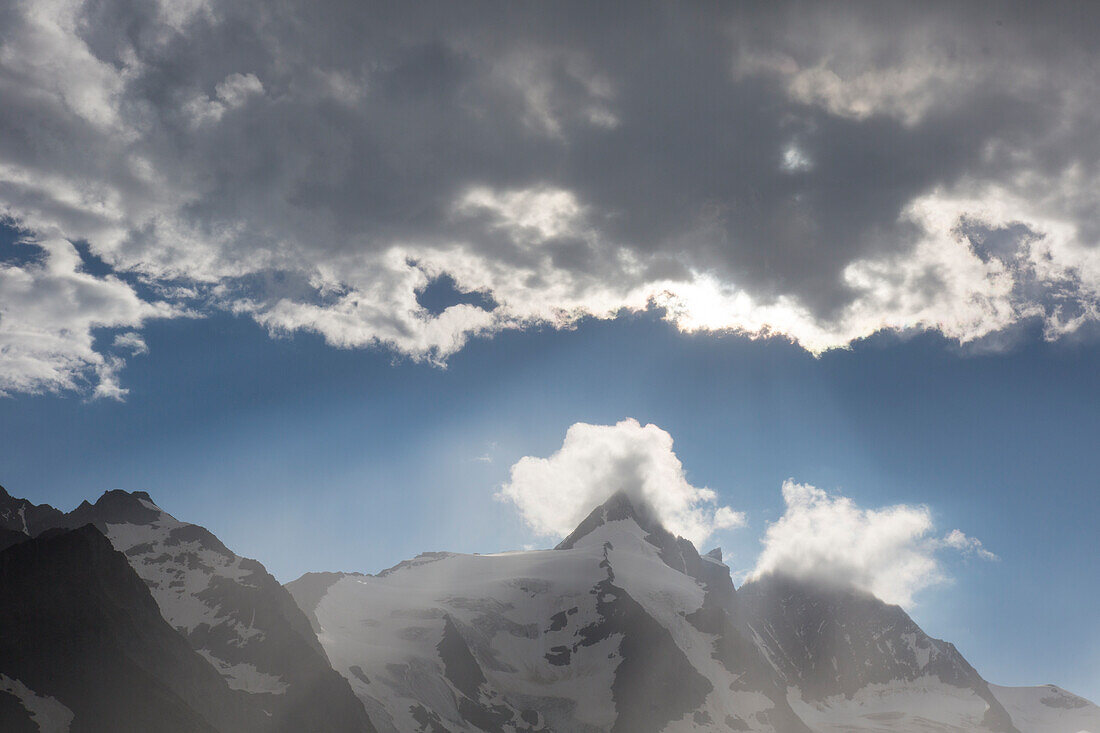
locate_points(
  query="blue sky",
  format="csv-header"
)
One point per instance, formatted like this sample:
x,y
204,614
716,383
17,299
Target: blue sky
x,y
313,458
317,276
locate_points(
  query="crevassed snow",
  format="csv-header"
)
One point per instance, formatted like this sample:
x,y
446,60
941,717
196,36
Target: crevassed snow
x,y
50,715
1048,709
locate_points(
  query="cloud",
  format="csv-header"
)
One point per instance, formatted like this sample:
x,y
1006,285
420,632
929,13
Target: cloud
x,y
786,169
956,540
828,538
50,311
555,494
132,341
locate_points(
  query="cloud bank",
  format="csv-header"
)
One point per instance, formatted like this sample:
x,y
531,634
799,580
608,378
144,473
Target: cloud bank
x,y
553,495
779,169
889,552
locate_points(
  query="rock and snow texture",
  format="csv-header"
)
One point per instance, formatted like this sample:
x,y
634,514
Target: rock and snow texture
x,y
622,628
193,578
231,611
83,647
45,712
595,636
20,515
853,662
1048,709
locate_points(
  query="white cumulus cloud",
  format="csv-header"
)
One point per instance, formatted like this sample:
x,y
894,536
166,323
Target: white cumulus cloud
x,y
555,494
890,552
50,310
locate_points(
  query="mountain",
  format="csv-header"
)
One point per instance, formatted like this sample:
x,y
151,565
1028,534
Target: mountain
x,y
9,537
82,642
853,662
625,627
230,610
19,515
119,617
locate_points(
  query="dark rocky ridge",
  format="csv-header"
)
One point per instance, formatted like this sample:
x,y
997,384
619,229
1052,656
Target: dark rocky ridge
x,y
77,624
316,698
20,515
9,537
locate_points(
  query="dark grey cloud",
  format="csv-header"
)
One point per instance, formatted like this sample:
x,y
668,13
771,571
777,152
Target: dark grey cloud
x,y
815,171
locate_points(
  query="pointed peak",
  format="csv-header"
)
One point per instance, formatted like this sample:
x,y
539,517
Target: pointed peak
x,y
715,554
619,506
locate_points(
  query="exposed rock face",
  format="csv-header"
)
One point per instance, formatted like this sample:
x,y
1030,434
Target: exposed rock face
x,y
81,638
9,537
20,515
232,612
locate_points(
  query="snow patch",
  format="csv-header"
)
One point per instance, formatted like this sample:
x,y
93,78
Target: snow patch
x,y
925,703
47,712
1048,709
245,676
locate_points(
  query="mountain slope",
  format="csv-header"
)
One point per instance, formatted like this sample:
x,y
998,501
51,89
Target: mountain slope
x,y
82,641
624,627
853,662
238,618
231,611
1048,709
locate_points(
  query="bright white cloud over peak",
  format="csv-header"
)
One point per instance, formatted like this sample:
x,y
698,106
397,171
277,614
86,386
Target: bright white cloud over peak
x,y
554,494
890,552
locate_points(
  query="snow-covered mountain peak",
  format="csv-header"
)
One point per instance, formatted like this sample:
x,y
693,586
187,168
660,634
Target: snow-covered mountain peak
x,y
564,640
634,524
628,515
